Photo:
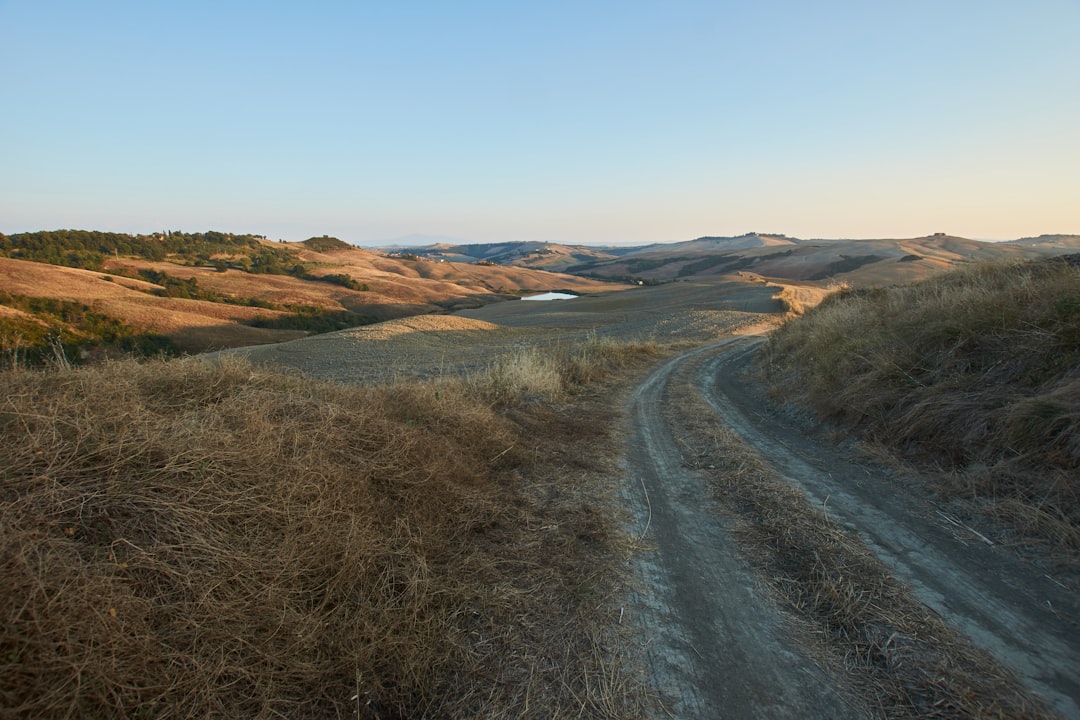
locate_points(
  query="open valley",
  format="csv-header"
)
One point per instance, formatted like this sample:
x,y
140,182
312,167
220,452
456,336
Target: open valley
x,y
611,509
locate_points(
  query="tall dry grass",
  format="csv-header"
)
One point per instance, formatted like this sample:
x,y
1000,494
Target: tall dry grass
x,y
976,372
186,539
797,299
552,373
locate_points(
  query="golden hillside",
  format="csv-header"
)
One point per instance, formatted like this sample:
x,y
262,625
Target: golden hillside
x,y
219,303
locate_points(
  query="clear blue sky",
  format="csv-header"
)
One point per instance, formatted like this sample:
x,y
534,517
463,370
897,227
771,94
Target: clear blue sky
x,y
585,121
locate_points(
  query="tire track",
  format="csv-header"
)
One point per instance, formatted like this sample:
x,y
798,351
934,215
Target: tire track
x,y
719,646
1007,607
1011,609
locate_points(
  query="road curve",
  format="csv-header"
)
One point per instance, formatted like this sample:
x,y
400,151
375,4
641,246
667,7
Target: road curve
x,y
718,646
1011,608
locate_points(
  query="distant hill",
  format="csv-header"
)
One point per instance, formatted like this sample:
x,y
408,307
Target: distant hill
x,y
1071,242
552,257
766,255
822,261
712,245
191,292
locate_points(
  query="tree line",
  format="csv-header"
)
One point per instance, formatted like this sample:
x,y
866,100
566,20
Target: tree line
x,y
52,325
88,249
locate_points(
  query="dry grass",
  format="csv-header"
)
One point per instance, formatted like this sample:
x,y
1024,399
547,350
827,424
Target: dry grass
x,y
419,324
900,658
191,539
549,374
797,299
976,373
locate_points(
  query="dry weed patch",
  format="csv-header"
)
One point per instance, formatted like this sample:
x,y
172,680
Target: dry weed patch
x,y
550,374
797,299
976,372
187,539
900,657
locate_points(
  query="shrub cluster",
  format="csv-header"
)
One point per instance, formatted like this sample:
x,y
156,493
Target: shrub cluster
x,y
69,330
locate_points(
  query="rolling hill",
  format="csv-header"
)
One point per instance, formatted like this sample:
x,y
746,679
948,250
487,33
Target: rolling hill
x,y
213,291
193,292
552,257
769,256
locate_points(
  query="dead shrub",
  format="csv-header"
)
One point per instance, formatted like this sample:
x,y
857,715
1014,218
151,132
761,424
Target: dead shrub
x,y
527,373
549,374
597,358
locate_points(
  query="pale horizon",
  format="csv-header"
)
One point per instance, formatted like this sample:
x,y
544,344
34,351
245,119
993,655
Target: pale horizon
x,y
600,123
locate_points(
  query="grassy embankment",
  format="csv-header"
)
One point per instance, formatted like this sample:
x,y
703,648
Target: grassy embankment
x,y
974,374
186,539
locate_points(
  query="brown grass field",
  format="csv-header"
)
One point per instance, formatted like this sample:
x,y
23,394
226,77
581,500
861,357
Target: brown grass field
x,y
471,340
396,287
188,538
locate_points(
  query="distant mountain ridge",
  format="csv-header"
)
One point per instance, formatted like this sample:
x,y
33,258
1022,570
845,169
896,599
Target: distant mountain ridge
x,y
1067,241
554,257
766,255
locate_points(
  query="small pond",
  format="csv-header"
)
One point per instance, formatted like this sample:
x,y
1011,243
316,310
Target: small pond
x,y
551,296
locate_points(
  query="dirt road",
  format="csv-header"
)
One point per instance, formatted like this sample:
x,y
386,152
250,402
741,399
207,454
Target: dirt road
x,y
719,643
718,646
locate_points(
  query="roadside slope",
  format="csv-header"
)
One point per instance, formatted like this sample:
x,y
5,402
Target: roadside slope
x,y
1012,610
